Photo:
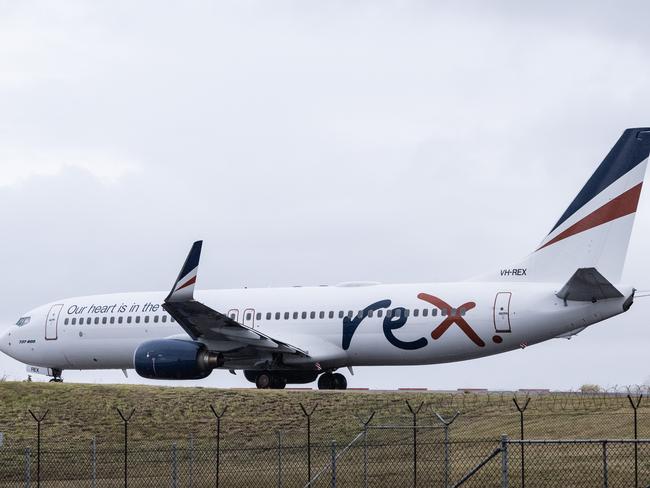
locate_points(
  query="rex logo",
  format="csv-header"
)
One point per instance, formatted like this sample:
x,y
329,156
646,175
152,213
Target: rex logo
x,y
397,318
454,316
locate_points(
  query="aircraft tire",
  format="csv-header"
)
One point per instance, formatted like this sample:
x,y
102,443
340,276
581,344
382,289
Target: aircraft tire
x,y
339,382
264,381
326,381
278,382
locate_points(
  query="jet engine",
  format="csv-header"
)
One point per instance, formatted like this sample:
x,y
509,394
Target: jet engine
x,y
175,359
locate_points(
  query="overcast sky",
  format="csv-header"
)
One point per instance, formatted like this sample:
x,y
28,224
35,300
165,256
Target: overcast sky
x,y
315,142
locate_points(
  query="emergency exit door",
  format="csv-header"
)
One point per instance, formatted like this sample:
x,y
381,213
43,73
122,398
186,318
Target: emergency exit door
x,y
52,322
502,311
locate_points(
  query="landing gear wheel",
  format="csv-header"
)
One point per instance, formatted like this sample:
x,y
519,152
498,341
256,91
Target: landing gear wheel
x,y
56,380
278,382
264,381
326,381
339,382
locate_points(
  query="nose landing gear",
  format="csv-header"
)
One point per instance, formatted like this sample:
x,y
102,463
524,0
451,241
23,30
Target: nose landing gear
x,y
56,373
332,381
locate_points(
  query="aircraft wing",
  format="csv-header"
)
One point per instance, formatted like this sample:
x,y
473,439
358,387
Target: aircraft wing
x,y
204,323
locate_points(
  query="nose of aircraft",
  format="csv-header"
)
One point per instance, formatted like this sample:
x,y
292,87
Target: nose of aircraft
x,y
4,341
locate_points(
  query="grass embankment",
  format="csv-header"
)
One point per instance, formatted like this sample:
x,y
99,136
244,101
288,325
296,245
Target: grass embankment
x,y
78,412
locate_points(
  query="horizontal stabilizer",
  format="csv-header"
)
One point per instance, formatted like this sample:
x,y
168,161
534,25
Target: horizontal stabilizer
x,y
588,285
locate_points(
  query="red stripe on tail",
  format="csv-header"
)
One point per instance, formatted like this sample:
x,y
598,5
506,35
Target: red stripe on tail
x,y
620,206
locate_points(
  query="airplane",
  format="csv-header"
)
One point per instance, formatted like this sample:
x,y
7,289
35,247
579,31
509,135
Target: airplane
x,y
298,335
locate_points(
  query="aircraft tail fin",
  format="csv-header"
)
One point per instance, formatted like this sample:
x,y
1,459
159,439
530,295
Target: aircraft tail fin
x,y
595,229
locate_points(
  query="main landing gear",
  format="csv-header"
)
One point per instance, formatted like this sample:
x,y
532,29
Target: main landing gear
x,y
332,381
267,380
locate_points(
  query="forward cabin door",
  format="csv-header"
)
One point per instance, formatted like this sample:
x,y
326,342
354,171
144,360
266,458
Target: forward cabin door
x,y
502,312
52,322
248,318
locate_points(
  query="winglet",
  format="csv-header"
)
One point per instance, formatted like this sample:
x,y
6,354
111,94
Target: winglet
x,y
183,289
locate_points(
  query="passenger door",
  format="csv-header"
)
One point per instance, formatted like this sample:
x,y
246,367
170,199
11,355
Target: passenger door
x,y
52,322
502,311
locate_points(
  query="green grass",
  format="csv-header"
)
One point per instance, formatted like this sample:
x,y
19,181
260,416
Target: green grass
x,y
78,411
164,415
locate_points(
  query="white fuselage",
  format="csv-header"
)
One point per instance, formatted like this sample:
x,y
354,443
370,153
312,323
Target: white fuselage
x,y
483,319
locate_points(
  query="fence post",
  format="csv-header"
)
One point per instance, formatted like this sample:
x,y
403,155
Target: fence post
x,y
279,459
365,424
174,467
191,460
93,461
504,461
635,406
414,413
38,445
605,481
521,424
126,419
28,467
218,417
446,424
333,464
308,415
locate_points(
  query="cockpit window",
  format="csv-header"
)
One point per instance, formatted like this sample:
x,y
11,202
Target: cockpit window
x,y
23,321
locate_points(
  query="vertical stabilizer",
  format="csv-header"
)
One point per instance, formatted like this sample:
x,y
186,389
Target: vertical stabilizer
x,y
595,229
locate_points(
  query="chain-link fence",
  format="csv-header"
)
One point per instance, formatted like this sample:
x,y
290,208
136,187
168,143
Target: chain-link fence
x,y
424,446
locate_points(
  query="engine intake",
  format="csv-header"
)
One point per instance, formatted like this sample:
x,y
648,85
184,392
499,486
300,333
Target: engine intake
x,y
175,359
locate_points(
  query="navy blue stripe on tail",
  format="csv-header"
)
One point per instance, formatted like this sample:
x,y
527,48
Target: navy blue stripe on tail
x,y
192,260
631,150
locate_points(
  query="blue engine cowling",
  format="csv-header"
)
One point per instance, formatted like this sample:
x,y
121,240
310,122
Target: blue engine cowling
x,y
174,359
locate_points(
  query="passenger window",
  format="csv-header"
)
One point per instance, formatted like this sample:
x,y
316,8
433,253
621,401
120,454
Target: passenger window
x,y
164,318
258,316
370,313
268,315
104,320
128,319
155,318
146,319
96,320
321,315
286,315
389,314
74,321
341,314
350,314
416,312
360,314
249,316
81,321
277,315
331,314
295,315
304,315
112,320
65,322
406,312
137,319
462,311
119,319
434,312
453,311
380,313
397,313
172,319
312,315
